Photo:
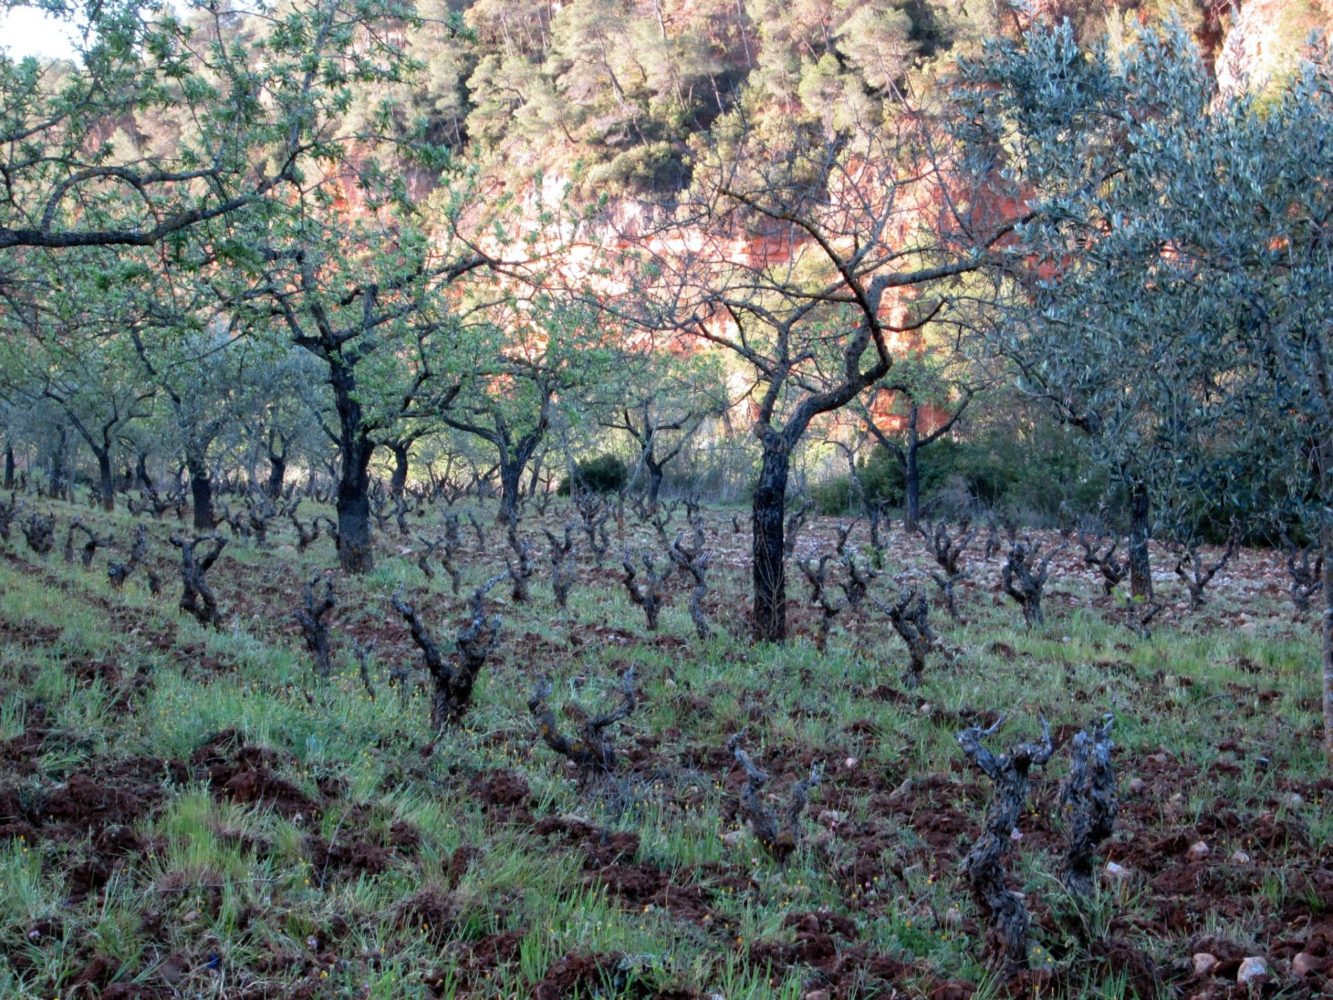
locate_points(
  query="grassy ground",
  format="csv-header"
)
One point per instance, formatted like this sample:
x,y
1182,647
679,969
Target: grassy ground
x,y
189,812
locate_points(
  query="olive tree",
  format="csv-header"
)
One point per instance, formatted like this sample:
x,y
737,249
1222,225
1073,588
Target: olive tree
x,y
1180,279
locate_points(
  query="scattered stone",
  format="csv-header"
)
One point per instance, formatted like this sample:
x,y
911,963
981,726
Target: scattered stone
x,y
1137,786
832,817
816,995
1303,964
851,763
1199,850
733,839
1115,871
1295,800
1253,970
926,708
1204,964
953,918
1239,857
1158,759
902,791
1015,834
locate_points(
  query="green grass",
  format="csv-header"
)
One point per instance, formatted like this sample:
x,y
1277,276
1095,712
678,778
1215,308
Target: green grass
x,y
225,891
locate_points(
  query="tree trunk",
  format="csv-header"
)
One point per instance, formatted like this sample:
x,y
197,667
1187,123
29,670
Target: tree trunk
x,y
511,474
398,482
1324,471
1327,542
106,480
534,478
277,471
912,484
655,477
355,554
201,492
1140,531
59,481
141,472
769,510
9,466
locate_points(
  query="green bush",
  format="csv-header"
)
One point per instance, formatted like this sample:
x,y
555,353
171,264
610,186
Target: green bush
x,y
602,474
1030,476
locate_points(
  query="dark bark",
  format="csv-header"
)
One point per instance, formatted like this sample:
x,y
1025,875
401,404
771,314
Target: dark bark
x,y
984,867
1305,569
197,597
767,550
561,556
910,617
355,553
454,678
912,475
511,487
40,532
948,550
277,472
355,447
141,475
816,574
59,482
398,481
655,476
1099,554
648,594
201,493
1088,802
779,835
591,751
106,480
1327,542
1023,577
9,466
314,629
693,561
1140,532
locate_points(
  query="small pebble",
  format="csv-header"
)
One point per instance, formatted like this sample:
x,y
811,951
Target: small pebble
x,y
1303,964
1239,857
1253,970
1204,963
1199,850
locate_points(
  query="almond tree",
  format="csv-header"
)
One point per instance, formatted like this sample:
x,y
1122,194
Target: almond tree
x,y
372,309
814,259
233,107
